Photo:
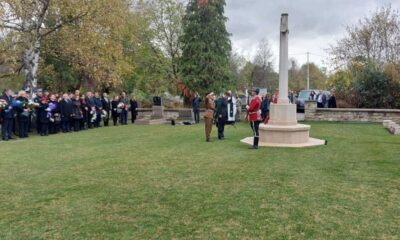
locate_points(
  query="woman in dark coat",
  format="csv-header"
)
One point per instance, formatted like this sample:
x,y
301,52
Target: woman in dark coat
x,y
54,126
265,106
134,109
66,112
77,114
115,111
85,114
44,117
23,114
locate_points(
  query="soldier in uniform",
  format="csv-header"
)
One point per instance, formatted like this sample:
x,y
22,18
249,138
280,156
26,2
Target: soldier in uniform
x,y
254,115
209,114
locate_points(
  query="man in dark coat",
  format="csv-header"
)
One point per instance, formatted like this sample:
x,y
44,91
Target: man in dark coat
x,y
98,109
105,101
91,108
66,108
321,99
8,116
37,100
222,115
196,102
134,109
332,101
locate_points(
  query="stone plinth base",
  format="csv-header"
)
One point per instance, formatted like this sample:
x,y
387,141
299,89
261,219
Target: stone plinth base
x,y
310,143
294,134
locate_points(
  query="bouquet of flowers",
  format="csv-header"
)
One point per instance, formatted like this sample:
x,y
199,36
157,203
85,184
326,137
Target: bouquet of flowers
x,y
32,105
50,108
120,106
3,105
103,114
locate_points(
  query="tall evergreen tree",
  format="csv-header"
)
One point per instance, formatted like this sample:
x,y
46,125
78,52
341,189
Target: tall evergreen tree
x,y
205,62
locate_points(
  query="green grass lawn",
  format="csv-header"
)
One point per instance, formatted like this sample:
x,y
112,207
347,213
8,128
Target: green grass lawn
x,y
164,182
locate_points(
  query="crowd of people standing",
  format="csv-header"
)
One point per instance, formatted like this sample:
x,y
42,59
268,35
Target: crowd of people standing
x,y
52,113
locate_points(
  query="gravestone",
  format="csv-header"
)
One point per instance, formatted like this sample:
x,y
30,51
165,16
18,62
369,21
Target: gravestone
x,y
157,115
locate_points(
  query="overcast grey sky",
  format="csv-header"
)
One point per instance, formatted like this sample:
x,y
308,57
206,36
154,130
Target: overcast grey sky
x,y
313,24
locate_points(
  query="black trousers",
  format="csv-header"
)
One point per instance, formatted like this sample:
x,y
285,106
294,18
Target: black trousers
x,y
115,120
89,120
77,125
221,128
83,120
97,121
44,129
6,128
134,114
320,105
38,126
196,114
124,117
54,127
255,126
65,125
23,126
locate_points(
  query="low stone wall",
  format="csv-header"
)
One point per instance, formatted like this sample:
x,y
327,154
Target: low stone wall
x,y
312,113
170,113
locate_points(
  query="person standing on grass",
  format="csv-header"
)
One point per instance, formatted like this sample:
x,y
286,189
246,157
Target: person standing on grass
x,y
196,102
8,116
222,115
23,113
77,114
43,116
106,107
254,115
37,100
54,126
66,112
98,109
115,111
85,113
209,114
134,109
124,115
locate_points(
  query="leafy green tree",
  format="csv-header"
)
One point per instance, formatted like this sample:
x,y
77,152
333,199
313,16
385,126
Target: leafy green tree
x,y
206,48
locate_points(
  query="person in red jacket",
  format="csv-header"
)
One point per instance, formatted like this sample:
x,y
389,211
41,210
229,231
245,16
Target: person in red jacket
x,y
254,115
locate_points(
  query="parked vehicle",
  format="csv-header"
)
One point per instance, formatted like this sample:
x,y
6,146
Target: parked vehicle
x,y
305,95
